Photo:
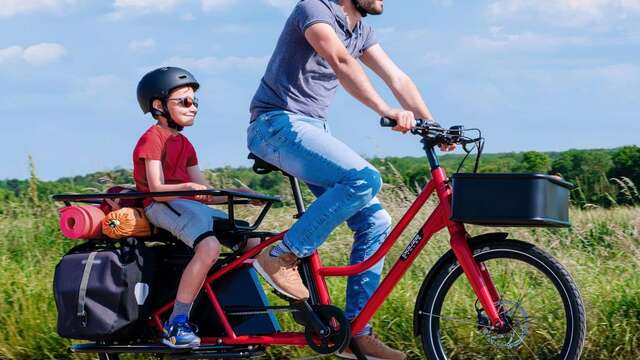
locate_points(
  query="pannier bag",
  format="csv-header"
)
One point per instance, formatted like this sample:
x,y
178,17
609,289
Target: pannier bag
x,y
81,222
101,291
126,222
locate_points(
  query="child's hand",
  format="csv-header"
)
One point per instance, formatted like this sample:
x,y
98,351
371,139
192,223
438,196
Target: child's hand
x,y
195,187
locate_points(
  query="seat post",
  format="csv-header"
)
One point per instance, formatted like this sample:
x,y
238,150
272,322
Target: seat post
x,y
306,273
297,195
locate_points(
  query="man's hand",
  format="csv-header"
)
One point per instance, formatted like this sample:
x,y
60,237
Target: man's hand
x,y
405,119
447,147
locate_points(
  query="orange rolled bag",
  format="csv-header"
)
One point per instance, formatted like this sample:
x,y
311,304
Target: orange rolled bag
x,y
126,222
81,222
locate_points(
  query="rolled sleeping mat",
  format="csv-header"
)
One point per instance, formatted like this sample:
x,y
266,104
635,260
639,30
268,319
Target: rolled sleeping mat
x,y
126,222
81,222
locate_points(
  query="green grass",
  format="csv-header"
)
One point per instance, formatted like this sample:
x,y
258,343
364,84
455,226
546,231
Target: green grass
x,y
601,251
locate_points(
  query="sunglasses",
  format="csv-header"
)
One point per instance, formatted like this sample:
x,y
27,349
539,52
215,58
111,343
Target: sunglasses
x,y
186,101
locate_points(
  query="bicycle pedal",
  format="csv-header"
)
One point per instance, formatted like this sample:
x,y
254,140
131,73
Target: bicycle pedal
x,y
308,317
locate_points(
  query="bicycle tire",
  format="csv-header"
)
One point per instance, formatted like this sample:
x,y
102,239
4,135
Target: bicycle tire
x,y
438,343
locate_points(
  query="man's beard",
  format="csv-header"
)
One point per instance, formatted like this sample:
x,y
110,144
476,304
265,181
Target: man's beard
x,y
371,7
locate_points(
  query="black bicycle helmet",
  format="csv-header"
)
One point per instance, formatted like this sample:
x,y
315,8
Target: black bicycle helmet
x,y
158,83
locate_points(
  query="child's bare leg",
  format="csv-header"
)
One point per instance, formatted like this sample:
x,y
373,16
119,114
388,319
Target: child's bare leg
x,y
206,254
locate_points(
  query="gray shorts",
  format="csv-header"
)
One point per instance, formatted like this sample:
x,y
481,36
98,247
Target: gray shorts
x,y
188,220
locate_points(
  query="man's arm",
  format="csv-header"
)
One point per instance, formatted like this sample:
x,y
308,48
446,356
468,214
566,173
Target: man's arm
x,y
403,88
325,42
401,85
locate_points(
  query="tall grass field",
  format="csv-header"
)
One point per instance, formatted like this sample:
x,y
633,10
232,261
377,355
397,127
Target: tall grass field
x,y
601,251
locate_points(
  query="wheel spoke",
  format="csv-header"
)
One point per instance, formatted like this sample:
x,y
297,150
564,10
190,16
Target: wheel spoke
x,y
521,338
464,321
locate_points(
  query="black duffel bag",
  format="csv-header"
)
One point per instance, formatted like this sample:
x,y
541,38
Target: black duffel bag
x,y
102,290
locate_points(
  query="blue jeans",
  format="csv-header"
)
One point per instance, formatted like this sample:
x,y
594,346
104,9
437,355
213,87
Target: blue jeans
x,y
345,185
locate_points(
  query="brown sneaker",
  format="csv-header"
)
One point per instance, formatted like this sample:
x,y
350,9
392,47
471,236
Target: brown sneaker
x,y
281,272
373,349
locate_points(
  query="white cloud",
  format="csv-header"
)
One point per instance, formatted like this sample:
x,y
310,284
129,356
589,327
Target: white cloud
x,y
282,4
10,8
215,64
124,8
478,96
523,41
566,12
209,5
620,79
435,59
187,17
442,3
105,91
36,55
101,84
146,5
11,54
142,45
44,53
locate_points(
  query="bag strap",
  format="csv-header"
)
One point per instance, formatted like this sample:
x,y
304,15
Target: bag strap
x,y
115,204
82,295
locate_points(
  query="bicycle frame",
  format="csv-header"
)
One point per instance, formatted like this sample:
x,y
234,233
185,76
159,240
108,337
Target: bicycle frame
x,y
478,277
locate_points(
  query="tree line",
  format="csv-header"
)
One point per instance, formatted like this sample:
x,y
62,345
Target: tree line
x,y
603,177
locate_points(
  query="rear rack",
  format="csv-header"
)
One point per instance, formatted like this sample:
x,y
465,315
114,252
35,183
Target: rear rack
x,y
233,198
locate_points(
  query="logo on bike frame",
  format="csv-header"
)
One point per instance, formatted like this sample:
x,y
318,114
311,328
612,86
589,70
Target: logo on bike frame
x,y
412,246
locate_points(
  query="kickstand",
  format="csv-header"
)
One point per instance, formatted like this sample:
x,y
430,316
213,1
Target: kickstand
x,y
355,349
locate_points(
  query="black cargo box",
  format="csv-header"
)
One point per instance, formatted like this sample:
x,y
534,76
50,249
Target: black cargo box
x,y
510,200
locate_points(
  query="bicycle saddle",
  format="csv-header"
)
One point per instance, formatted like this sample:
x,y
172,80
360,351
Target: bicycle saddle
x,y
260,166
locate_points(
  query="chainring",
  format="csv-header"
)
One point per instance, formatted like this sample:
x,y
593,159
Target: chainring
x,y
340,330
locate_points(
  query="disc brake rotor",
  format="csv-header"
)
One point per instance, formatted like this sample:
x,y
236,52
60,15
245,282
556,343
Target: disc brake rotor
x,y
515,330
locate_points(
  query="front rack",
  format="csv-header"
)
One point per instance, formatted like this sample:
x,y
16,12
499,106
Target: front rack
x,y
233,198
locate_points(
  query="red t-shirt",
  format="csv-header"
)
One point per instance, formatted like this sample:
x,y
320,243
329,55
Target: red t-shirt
x,y
174,151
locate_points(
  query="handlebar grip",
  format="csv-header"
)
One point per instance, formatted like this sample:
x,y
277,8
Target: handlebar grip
x,y
386,122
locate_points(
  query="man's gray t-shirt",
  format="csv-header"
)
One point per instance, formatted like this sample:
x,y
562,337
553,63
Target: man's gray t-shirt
x,y
297,78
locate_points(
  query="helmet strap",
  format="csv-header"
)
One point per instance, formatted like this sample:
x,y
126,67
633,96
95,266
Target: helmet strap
x,y
359,7
172,124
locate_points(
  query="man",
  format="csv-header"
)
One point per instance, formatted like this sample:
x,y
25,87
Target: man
x,y
317,50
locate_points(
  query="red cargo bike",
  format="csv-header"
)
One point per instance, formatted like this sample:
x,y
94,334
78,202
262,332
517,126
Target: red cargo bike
x,y
487,297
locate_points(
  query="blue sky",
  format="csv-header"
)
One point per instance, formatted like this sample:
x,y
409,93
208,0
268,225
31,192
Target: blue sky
x,y
540,75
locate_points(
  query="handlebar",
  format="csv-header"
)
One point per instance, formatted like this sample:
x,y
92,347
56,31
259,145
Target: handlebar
x,y
435,133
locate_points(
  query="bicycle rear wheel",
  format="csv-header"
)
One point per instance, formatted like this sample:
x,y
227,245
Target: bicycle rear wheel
x,y
540,304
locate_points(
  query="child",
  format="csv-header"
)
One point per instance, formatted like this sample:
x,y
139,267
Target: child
x,y
164,160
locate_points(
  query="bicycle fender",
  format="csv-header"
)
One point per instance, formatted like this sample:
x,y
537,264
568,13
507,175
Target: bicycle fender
x,y
439,267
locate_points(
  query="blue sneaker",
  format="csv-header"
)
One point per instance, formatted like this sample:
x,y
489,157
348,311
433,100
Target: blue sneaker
x,y
180,334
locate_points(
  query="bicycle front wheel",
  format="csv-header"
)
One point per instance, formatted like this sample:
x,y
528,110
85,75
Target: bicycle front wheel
x,y
539,303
